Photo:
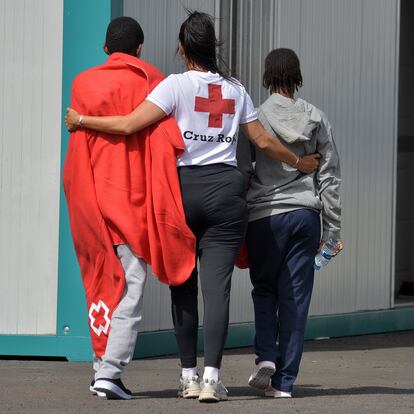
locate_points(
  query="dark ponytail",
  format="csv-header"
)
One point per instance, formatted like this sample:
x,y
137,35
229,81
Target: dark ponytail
x,y
198,40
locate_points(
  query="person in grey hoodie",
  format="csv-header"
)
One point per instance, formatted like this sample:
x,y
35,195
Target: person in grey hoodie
x,y
284,232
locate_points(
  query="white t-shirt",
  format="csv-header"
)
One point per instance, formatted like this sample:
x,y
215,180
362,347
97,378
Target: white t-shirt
x,y
208,110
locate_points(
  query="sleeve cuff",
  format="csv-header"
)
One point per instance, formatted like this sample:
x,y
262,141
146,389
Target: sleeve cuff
x,y
159,104
250,118
331,234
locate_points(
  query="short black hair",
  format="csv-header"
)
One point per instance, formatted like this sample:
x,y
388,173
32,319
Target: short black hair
x,y
124,34
282,71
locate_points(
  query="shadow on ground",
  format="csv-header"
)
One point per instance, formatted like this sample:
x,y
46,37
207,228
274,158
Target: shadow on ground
x,y
301,391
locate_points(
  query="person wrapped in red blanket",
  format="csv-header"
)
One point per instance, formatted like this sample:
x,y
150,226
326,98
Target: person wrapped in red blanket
x,y
124,203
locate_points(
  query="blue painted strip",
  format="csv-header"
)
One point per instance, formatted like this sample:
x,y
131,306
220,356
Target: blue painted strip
x,y
84,29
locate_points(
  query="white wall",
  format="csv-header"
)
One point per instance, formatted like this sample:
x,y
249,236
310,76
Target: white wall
x,y
161,21
30,129
348,54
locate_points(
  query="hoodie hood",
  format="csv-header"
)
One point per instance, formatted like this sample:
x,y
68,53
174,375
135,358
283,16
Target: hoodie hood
x,y
291,119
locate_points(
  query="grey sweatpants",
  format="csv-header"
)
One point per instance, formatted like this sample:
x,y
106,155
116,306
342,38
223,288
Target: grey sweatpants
x,y
125,319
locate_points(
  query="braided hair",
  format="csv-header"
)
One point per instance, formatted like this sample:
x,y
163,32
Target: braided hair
x,y
282,71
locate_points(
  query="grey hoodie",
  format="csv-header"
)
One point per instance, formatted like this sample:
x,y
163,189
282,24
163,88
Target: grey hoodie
x,y
276,187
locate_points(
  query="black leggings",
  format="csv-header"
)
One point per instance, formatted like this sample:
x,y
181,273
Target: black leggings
x,y
216,211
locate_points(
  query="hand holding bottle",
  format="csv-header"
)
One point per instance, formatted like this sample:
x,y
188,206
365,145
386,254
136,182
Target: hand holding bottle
x,y
327,250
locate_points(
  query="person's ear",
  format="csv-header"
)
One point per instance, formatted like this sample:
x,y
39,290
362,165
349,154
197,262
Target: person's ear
x,y
106,50
180,49
139,50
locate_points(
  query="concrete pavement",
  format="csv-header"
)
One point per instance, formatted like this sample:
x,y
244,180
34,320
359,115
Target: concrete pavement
x,y
364,375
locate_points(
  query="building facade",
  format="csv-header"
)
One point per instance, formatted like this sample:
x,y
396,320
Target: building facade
x,y
352,53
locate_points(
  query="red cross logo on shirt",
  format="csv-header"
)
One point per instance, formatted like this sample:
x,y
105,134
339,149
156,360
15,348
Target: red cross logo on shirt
x,y
215,105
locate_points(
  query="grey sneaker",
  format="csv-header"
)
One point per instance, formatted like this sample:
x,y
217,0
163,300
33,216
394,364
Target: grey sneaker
x,y
189,387
212,391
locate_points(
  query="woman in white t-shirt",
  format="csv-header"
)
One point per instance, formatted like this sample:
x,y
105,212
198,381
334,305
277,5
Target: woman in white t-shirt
x,y
209,107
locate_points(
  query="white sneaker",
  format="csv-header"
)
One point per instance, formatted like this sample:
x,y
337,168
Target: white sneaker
x,y
275,393
189,387
260,377
114,389
95,392
212,391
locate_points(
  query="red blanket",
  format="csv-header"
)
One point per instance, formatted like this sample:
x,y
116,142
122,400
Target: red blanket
x,y
123,190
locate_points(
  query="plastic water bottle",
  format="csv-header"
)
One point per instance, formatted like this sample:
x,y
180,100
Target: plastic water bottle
x,y
327,251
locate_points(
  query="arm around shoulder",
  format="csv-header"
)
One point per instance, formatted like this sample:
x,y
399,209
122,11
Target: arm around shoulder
x,y
144,115
273,148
